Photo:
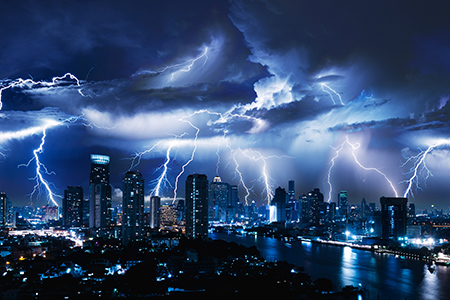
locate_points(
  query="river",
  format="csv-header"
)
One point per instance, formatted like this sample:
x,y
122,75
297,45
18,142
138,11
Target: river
x,y
383,275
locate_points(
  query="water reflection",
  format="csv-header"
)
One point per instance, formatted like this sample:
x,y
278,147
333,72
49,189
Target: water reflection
x,y
271,252
307,246
429,288
348,267
384,276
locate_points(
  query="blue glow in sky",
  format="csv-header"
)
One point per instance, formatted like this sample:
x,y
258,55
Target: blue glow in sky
x,y
256,92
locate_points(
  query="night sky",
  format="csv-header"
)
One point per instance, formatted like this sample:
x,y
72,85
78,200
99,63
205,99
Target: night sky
x,y
256,92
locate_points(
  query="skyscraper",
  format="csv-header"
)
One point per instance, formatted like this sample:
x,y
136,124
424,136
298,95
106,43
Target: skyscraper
x,y
279,201
411,210
292,203
73,206
363,208
393,217
233,205
197,206
304,217
343,204
219,200
315,207
6,211
133,207
155,208
331,211
99,193
181,210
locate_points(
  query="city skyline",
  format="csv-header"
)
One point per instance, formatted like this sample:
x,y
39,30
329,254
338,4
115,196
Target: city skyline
x,y
335,97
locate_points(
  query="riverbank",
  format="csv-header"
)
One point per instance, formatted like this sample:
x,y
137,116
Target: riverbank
x,y
378,249
381,275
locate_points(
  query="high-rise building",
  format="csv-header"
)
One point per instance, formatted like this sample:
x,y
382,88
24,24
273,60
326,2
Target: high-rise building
x,y
197,206
6,211
73,207
316,208
393,217
181,209
219,200
99,193
232,211
343,208
331,211
363,208
133,207
86,214
292,203
304,215
279,201
411,210
155,210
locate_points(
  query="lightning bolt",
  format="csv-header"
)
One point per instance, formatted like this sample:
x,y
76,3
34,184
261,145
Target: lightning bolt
x,y
221,119
40,167
1,151
354,147
190,63
257,156
136,159
419,166
192,155
163,177
323,85
183,67
218,151
241,179
30,83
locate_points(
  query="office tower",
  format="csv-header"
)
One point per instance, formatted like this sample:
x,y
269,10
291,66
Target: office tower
x,y
197,206
99,193
343,208
232,211
393,217
411,210
291,190
86,214
304,217
279,201
292,203
73,207
133,207
155,207
219,200
331,211
315,207
363,208
6,211
181,210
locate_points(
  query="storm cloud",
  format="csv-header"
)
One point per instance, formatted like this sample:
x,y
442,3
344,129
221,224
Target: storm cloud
x,y
258,92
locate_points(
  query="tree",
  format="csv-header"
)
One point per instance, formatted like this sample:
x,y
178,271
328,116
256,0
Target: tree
x,y
323,285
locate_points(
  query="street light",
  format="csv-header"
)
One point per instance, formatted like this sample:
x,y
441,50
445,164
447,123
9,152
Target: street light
x,y
347,233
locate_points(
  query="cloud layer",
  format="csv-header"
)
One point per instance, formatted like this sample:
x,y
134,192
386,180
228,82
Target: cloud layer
x,y
261,92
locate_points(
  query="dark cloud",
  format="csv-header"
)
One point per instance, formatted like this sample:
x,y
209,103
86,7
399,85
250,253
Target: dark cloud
x,y
280,78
